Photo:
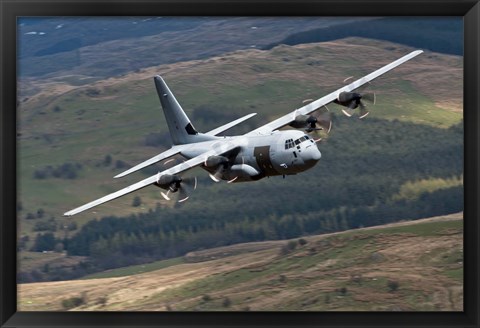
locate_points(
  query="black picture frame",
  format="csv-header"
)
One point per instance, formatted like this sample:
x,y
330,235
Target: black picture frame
x,y
468,9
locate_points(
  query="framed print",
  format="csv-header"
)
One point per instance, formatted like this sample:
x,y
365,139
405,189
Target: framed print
x,y
241,164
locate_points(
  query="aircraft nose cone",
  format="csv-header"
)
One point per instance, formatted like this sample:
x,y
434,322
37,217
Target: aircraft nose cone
x,y
312,155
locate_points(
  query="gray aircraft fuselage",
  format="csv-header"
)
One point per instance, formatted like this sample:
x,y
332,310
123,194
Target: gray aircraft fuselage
x,y
255,157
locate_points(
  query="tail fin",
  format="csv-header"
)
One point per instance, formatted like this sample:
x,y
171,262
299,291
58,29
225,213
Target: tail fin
x,y
181,129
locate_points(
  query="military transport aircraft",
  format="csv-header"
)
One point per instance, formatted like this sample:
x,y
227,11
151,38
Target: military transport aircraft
x,y
263,152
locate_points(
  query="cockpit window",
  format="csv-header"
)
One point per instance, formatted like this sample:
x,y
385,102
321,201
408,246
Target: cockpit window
x,y
288,143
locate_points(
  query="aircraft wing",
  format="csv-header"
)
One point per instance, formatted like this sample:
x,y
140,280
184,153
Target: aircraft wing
x,y
227,126
313,106
218,149
160,157
122,192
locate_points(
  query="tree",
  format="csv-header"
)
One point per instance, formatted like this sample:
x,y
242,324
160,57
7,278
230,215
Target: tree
x,y
44,242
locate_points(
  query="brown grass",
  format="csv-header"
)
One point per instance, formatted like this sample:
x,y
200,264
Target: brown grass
x,y
411,260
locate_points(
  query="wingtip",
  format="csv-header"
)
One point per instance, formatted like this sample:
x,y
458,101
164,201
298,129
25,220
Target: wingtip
x,y
121,175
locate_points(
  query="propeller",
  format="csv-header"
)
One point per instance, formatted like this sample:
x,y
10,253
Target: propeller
x,y
221,164
352,100
178,185
319,122
181,187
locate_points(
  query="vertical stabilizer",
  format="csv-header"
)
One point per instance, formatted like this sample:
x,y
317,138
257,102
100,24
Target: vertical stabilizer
x,y
181,129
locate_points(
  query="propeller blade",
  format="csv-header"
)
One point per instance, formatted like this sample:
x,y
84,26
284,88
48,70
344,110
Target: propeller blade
x,y
324,119
363,110
187,185
182,195
348,112
191,182
217,176
165,195
168,164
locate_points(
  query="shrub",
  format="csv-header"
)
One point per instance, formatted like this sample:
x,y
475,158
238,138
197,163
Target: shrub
x,y
72,226
226,302
120,164
302,242
107,160
102,301
327,298
73,302
342,291
288,248
291,245
64,171
393,285
50,225
40,213
136,201
40,174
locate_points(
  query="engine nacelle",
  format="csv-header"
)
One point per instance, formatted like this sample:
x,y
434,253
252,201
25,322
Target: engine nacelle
x,y
168,181
348,99
215,161
302,121
241,172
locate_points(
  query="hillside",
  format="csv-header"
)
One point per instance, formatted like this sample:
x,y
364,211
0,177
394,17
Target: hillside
x,y
404,161
428,33
94,48
407,266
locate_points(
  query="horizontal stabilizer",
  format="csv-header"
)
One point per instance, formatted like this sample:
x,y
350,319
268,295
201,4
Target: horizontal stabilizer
x,y
160,157
227,126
